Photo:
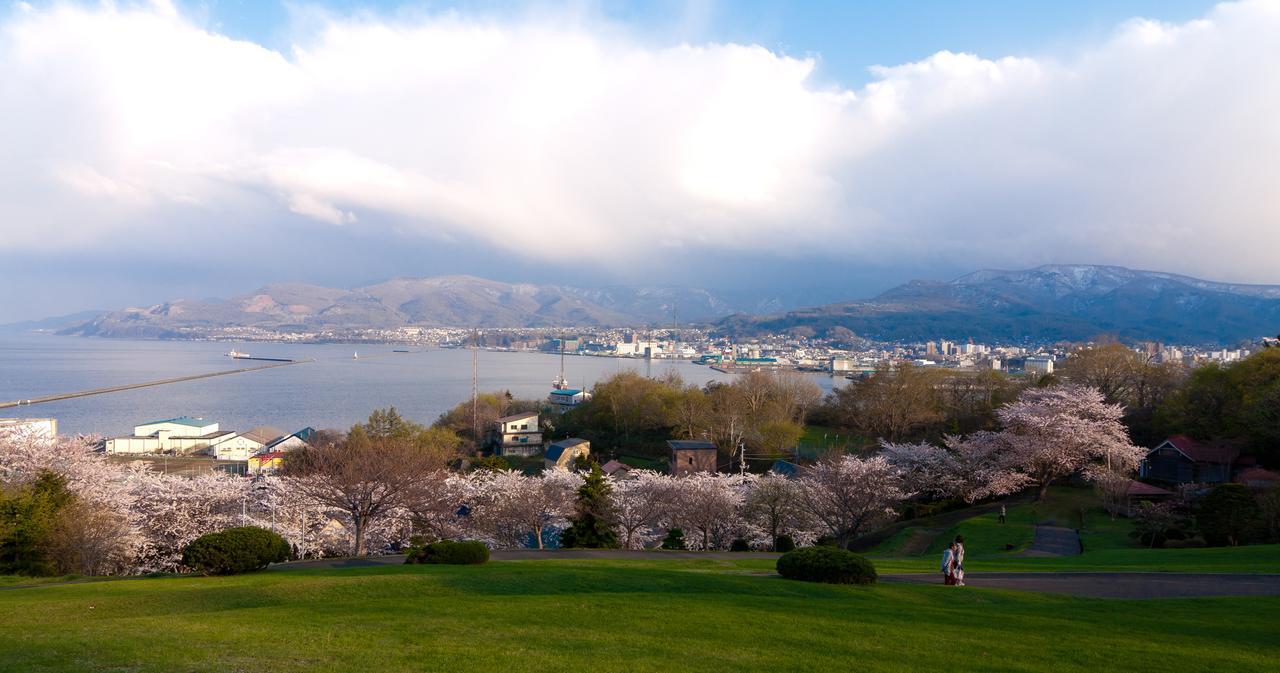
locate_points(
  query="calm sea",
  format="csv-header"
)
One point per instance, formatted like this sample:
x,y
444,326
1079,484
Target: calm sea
x,y
335,391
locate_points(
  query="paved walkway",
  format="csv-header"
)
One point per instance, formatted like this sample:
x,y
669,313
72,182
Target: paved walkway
x,y
1114,585
1053,540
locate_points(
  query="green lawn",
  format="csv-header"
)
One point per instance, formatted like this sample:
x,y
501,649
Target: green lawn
x,y
596,615
1107,544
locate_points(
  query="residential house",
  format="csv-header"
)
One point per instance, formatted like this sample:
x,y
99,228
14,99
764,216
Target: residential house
x,y
266,462
517,435
1258,479
1182,460
568,398
246,444
616,469
564,452
785,468
299,440
690,456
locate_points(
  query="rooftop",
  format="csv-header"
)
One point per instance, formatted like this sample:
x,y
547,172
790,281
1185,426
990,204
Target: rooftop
x,y
518,417
690,445
263,434
182,420
1204,452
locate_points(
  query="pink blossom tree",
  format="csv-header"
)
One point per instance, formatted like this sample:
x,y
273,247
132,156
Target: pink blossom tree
x,y
709,504
172,511
773,506
640,503
979,469
847,495
1051,433
927,470
509,506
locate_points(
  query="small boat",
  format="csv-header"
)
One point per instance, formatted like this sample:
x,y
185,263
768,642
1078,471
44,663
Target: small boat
x,y
237,355
355,356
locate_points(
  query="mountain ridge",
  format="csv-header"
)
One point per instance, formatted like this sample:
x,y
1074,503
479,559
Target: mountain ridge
x,y
1047,303
438,301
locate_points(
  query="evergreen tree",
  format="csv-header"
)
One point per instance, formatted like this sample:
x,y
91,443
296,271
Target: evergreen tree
x,y
674,540
27,517
590,528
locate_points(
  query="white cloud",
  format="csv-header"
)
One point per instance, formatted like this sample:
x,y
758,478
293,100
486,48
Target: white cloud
x,y
1156,148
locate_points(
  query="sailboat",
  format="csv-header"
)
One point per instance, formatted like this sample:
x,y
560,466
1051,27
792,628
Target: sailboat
x,y
355,356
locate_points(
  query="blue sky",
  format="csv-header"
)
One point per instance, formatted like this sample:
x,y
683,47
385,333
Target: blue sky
x,y
811,151
846,36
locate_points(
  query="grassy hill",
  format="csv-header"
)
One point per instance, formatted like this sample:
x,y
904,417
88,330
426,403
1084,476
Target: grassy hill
x,y
993,546
598,615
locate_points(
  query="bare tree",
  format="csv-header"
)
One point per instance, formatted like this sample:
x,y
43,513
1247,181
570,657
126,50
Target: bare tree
x,y
365,477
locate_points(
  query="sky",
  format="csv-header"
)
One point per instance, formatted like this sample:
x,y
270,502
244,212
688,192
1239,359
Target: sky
x,y
807,151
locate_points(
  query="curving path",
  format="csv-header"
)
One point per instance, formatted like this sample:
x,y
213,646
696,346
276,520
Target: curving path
x,y
1053,540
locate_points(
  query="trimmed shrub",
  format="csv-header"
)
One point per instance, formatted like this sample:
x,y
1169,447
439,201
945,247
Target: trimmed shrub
x,y
784,544
674,539
450,552
739,545
826,564
235,550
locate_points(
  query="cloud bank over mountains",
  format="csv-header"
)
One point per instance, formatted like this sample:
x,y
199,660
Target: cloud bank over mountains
x,y
553,138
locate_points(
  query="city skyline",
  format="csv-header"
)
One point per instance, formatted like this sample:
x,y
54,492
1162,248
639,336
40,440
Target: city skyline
x,y
161,150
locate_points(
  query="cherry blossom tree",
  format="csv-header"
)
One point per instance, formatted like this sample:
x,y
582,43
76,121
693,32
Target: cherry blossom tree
x,y
509,506
171,511
641,502
773,506
1051,433
927,470
847,495
709,504
980,471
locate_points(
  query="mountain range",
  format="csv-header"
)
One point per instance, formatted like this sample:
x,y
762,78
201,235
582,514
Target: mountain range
x,y
446,301
1047,303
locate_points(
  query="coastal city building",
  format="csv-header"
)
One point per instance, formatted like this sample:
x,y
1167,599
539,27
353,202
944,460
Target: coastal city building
x,y
563,453
517,435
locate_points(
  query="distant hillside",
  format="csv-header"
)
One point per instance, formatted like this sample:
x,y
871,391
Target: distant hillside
x,y
447,301
1054,302
54,323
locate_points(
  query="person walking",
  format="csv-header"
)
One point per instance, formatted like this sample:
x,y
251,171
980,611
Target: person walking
x,y
948,564
1002,512
957,572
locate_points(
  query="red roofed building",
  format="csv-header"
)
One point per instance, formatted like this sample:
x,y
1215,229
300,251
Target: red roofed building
x,y
1258,478
1183,460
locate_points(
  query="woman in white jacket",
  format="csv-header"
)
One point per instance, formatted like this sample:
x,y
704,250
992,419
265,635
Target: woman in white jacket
x,y
948,564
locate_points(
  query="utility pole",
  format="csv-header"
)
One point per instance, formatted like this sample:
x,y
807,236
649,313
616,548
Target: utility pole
x,y
475,390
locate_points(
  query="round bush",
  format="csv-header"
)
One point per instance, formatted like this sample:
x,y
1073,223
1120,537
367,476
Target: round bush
x,y
784,544
235,550
739,545
826,564
450,552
